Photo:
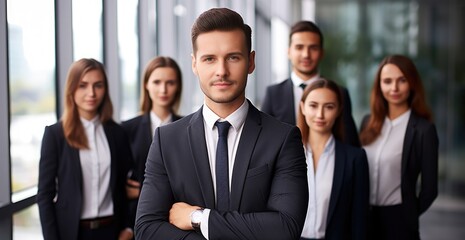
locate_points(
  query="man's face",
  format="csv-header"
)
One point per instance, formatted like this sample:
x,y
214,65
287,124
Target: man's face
x,y
222,63
305,52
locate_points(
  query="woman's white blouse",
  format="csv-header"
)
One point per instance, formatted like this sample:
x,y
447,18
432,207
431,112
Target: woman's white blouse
x,y
320,183
385,162
96,171
155,121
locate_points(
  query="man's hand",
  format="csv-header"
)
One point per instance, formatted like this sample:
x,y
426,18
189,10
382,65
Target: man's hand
x,y
132,189
180,215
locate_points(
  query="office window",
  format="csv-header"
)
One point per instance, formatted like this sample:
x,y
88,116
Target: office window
x,y
31,52
26,224
87,29
128,44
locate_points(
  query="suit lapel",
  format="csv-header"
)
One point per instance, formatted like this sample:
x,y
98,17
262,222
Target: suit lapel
x,y
250,133
196,135
339,167
75,161
408,141
111,144
147,131
288,96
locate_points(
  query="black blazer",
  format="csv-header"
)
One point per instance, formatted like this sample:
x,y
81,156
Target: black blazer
x,y
279,103
269,192
349,200
419,157
139,131
59,195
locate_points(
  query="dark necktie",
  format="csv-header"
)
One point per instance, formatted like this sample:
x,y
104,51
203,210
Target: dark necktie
x,y
222,173
303,85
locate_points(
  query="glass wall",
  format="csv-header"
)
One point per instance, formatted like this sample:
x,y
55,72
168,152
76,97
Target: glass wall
x,y
87,29
31,53
128,45
26,224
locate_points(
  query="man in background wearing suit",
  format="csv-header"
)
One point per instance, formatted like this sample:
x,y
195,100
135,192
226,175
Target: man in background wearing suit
x,y
305,52
227,171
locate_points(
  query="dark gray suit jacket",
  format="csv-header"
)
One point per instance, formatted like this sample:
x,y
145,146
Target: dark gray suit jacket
x,y
279,103
60,176
269,192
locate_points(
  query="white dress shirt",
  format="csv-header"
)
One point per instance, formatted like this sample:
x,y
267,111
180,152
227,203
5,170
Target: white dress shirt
x,y
298,91
95,165
385,162
236,119
320,183
157,122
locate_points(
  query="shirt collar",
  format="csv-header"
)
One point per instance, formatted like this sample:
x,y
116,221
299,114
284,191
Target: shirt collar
x,y
90,123
296,80
157,121
403,118
236,119
328,146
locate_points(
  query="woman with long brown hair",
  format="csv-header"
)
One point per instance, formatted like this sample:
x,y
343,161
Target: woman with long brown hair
x,y
84,162
337,172
401,144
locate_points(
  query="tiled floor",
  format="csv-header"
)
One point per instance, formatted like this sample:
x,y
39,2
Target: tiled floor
x,y
444,220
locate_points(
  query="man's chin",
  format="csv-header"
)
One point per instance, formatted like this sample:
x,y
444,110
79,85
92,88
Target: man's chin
x,y
308,72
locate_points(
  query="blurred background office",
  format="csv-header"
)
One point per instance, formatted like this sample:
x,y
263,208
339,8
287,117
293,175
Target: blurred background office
x,y
40,39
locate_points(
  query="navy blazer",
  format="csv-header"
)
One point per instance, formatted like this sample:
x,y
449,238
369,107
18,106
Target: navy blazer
x,y
349,200
269,192
279,103
139,131
59,195
419,158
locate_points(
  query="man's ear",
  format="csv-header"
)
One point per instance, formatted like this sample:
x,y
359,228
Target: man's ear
x,y
251,62
194,64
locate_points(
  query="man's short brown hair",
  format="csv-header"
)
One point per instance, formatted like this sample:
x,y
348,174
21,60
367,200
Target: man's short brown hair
x,y
306,26
221,19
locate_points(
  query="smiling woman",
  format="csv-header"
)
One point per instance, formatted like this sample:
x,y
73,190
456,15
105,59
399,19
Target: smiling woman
x,y
84,162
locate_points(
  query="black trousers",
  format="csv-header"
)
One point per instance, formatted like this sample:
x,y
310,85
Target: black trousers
x,y
389,223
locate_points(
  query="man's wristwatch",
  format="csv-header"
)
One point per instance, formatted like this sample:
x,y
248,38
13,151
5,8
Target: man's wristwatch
x,y
196,218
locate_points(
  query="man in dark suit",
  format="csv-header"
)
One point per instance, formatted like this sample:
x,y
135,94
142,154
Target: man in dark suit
x,y
305,52
227,171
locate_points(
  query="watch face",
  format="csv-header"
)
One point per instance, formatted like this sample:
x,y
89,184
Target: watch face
x,y
196,216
